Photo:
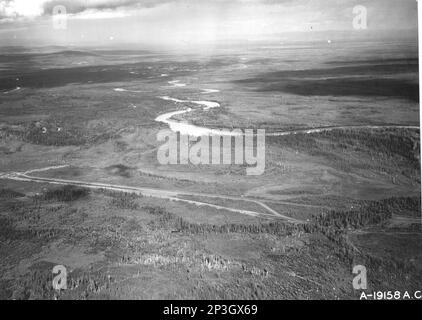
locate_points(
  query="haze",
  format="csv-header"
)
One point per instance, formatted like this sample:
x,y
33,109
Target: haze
x,y
191,22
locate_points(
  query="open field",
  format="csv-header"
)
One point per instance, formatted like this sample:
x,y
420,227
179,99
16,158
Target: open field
x,y
81,186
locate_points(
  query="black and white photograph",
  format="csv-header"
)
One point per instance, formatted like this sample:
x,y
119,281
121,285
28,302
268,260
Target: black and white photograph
x,y
210,150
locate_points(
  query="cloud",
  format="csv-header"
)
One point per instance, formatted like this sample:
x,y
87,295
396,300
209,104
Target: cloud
x,y
100,14
16,9
249,16
78,6
11,9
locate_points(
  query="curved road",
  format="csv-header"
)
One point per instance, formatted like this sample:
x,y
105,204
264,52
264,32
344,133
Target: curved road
x,y
192,130
150,192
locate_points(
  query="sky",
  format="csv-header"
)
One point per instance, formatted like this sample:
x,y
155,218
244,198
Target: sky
x,y
178,22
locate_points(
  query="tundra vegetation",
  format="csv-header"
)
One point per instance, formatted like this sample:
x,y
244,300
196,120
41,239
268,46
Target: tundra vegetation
x,y
327,201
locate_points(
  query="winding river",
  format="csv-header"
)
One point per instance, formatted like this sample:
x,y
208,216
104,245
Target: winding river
x,y
186,128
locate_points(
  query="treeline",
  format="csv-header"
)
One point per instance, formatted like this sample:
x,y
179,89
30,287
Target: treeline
x,y
331,224
10,194
411,205
179,224
66,193
386,141
355,218
375,212
275,228
390,142
119,194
